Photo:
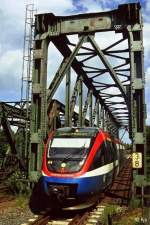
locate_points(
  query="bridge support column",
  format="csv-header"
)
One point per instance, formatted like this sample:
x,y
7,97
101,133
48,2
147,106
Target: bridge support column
x,y
80,93
39,108
97,113
141,177
67,108
90,109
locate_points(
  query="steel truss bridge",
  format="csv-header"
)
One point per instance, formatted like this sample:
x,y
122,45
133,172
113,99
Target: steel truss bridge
x,y
103,85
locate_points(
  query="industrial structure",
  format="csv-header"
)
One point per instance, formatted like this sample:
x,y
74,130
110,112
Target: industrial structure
x,y
105,85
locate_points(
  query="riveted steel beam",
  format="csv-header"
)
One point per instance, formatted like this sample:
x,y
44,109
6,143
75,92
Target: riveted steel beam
x,y
90,108
49,24
38,110
128,80
78,68
80,94
94,114
141,176
86,106
102,117
9,134
108,66
63,69
73,99
67,108
97,112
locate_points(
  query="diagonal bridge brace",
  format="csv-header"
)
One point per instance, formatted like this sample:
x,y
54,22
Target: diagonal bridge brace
x,y
63,69
108,66
78,68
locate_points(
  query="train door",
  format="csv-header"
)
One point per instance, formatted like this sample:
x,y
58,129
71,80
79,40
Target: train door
x,y
108,162
115,159
99,163
118,158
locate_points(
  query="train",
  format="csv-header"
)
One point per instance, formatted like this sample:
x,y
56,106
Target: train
x,y
78,163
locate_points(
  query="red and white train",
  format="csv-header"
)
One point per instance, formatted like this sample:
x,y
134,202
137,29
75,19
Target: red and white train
x,y
80,162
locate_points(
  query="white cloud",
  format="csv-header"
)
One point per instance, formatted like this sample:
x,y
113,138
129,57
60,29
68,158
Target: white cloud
x,y
11,62
93,6
146,42
10,75
12,19
147,94
57,7
147,80
12,14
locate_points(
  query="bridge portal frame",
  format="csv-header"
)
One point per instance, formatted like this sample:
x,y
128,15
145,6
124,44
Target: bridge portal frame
x,y
49,28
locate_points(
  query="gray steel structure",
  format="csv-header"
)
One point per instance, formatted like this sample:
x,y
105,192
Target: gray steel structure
x,y
111,105
14,114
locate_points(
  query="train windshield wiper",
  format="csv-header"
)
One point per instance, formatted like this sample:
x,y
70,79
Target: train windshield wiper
x,y
68,156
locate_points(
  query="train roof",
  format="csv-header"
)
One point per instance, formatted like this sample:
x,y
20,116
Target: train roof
x,y
77,131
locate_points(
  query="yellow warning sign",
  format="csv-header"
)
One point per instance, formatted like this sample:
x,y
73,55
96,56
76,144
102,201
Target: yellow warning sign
x,y
137,160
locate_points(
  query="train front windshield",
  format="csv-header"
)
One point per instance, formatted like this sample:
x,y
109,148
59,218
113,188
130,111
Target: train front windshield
x,y
67,155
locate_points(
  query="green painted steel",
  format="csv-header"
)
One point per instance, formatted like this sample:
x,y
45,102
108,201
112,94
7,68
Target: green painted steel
x,y
137,106
107,65
73,99
67,108
63,69
80,93
125,20
38,108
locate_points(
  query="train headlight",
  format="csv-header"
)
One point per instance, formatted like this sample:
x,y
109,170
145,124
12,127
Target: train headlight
x,y
50,162
63,165
81,162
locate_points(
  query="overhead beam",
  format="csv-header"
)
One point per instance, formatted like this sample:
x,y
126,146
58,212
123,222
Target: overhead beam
x,y
89,22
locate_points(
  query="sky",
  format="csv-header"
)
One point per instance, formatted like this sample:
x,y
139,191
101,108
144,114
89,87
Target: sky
x,y
12,14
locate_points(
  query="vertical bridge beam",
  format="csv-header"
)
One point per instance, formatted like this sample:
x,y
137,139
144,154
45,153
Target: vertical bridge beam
x,y
126,20
39,108
67,108
80,93
141,179
90,109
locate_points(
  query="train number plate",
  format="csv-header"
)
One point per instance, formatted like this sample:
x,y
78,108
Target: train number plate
x,y
137,160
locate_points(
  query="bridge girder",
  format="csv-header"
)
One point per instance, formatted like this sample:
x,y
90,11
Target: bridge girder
x,y
127,77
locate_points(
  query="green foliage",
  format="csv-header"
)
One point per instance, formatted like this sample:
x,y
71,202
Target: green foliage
x,y
18,185
129,217
20,142
109,210
22,201
135,203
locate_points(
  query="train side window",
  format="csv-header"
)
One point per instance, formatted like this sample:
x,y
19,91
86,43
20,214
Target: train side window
x,y
108,153
114,150
111,152
99,158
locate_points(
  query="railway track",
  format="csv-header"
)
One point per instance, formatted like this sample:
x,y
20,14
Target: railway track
x,y
87,218
119,194
6,199
5,194
120,191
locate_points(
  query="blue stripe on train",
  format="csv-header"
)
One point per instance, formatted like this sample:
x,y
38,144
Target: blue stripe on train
x,y
86,185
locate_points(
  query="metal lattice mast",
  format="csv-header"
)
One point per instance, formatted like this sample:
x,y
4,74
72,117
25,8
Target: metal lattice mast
x,y
27,65
27,54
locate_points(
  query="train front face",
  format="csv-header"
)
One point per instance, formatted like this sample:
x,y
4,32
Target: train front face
x,y
67,159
